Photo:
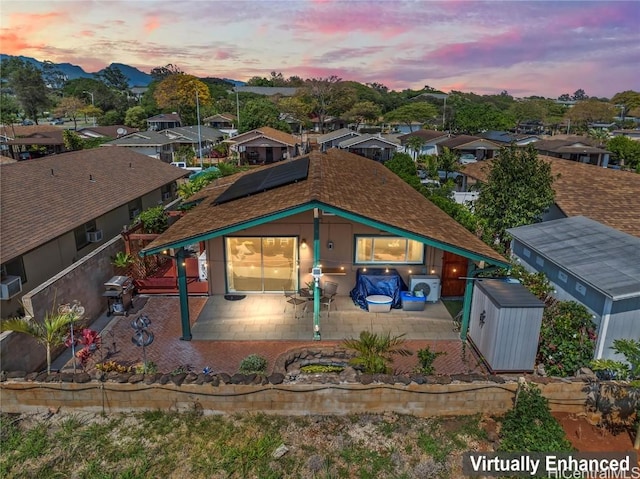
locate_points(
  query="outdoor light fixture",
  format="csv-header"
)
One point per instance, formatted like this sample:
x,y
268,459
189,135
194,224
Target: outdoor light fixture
x,y
303,243
433,271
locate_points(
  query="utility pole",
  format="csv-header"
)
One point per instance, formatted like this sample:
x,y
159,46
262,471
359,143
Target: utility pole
x,y
199,131
92,104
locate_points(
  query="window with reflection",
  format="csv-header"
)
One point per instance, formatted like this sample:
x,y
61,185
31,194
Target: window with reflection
x,y
388,250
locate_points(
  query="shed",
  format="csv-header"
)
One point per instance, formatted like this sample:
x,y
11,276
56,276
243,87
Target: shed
x,y
592,264
505,324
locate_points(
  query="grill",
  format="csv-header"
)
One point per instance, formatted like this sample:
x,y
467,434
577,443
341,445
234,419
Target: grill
x,y
119,294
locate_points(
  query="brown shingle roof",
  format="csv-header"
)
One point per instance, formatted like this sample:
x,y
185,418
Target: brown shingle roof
x,y
38,206
611,197
340,179
266,132
427,135
461,140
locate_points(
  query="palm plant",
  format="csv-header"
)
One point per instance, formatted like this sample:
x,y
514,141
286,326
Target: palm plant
x,y
375,352
50,333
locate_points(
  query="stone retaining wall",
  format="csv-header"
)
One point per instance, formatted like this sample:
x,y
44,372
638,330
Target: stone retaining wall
x,y
214,395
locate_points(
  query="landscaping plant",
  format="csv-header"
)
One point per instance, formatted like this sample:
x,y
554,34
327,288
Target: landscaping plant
x,y
154,220
253,364
426,357
567,338
530,427
375,352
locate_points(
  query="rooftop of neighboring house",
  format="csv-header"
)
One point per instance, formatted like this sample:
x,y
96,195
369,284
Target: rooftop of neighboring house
x,y
15,131
603,194
334,135
141,139
267,90
427,135
50,196
356,140
165,117
193,133
337,179
506,136
458,141
111,131
40,137
265,132
221,117
568,144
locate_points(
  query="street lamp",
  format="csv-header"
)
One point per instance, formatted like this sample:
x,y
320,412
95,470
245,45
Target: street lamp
x,y
92,104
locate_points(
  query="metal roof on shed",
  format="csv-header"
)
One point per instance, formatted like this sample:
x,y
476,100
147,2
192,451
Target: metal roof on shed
x,y
603,257
508,295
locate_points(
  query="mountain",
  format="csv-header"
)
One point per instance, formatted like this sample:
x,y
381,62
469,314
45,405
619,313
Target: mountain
x,y
135,76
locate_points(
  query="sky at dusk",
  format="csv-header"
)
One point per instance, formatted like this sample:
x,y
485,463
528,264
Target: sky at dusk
x,y
524,47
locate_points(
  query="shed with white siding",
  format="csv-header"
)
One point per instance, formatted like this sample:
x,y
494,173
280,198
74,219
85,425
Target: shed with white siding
x,y
505,325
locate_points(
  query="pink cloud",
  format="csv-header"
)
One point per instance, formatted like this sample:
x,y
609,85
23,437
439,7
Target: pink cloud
x,y
151,24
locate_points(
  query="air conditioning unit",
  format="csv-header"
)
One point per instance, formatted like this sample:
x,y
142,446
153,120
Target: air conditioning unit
x,y
166,196
10,286
429,284
134,213
94,236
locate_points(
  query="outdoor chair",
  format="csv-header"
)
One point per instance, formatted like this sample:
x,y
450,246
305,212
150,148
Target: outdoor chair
x,y
329,291
292,298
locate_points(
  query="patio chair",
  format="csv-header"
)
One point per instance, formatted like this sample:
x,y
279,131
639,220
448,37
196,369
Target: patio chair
x,y
329,291
292,298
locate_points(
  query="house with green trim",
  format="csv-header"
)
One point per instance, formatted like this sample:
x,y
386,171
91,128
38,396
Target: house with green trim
x,y
266,229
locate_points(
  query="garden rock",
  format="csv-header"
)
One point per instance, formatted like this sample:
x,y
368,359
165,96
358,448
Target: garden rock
x,y
225,378
178,379
236,378
496,379
190,378
366,378
136,378
280,451
403,380
586,374
15,374
443,380
276,378
66,377
82,378
348,375
215,381
164,379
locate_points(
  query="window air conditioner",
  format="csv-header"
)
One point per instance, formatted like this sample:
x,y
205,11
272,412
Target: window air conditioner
x,y
166,196
134,213
94,236
10,286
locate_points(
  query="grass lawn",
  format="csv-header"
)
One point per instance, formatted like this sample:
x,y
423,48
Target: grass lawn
x,y
190,445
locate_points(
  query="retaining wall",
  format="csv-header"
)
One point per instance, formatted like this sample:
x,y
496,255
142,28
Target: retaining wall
x,y
282,399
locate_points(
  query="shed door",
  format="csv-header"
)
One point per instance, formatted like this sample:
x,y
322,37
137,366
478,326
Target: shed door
x,y
453,268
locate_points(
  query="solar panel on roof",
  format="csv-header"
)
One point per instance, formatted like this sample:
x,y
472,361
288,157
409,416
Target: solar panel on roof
x,y
267,179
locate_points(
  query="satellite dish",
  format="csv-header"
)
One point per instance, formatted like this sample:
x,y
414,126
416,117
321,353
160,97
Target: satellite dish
x,y
121,131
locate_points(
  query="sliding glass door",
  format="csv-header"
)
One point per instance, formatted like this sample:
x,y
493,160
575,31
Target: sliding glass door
x,y
261,264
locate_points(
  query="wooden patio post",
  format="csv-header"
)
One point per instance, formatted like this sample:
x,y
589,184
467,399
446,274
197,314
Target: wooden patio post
x,y
184,294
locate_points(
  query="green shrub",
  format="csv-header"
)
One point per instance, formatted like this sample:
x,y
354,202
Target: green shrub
x,y
630,349
606,369
146,368
253,363
530,427
375,352
567,338
426,357
154,220
321,368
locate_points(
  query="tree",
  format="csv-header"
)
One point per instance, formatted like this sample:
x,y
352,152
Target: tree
x,y
415,144
362,112
564,97
419,112
50,333
448,162
136,117
472,118
178,92
160,73
580,95
9,109
70,107
296,109
53,77
29,88
588,111
530,110
517,192
72,140
628,100
626,150
261,112
322,94
113,77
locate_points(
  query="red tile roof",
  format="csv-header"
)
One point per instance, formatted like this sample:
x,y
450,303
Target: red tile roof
x,y
47,197
339,179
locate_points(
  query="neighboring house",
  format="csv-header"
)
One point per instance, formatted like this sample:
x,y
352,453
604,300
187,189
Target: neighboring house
x,y
149,143
111,131
506,138
164,121
333,138
58,209
579,149
264,145
35,144
374,147
204,137
631,134
264,229
330,124
225,122
592,264
605,195
431,138
481,148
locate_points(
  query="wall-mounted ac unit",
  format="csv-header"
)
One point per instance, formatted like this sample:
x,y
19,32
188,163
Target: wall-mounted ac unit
x,y
135,213
166,196
94,236
10,286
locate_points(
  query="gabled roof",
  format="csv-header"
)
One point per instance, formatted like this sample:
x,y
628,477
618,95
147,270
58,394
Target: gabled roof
x,y
38,206
426,135
140,139
264,132
460,141
14,131
164,117
334,135
39,138
221,116
356,140
575,146
112,131
608,196
505,136
603,257
349,185
191,133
